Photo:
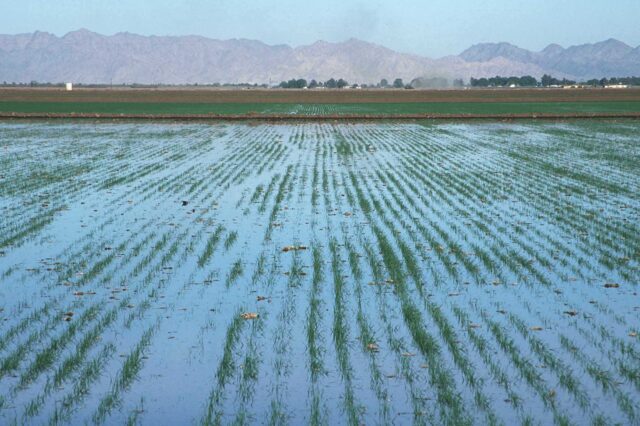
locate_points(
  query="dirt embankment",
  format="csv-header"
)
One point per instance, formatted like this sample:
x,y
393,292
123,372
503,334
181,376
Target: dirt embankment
x,y
326,117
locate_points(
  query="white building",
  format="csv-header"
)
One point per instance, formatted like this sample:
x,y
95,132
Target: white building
x,y
616,86
69,86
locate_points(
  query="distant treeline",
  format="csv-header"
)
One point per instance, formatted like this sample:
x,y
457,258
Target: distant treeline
x,y
526,81
548,81
629,81
301,83
332,83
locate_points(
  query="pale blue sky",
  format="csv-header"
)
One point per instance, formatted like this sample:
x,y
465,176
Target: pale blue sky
x,y
426,27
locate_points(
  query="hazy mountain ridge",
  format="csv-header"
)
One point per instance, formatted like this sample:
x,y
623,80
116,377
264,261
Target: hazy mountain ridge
x,y
88,57
604,59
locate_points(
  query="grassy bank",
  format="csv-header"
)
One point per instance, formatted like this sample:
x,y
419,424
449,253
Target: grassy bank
x,y
391,108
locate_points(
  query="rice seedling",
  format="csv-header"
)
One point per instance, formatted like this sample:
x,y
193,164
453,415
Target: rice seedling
x,y
212,242
237,269
230,240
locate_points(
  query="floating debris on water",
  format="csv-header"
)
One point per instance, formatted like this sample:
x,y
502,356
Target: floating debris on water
x,y
373,347
293,248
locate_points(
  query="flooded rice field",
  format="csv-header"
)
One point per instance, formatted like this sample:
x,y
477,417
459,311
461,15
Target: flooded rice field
x,y
450,273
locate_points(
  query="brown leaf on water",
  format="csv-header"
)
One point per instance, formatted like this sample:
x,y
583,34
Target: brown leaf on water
x,y
293,248
611,285
536,328
373,347
249,315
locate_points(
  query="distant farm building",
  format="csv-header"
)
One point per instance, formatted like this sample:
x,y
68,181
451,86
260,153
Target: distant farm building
x,y
616,86
69,86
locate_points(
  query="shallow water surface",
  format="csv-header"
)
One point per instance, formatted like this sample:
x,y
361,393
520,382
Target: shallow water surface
x,y
460,273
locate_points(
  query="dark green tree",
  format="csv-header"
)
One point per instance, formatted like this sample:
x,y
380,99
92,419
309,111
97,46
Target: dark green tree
x,y
547,80
528,81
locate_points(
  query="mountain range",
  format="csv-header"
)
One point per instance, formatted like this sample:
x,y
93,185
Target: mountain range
x,y
87,57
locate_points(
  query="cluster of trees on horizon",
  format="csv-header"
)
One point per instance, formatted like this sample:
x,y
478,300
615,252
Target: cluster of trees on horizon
x,y
332,83
630,81
549,81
